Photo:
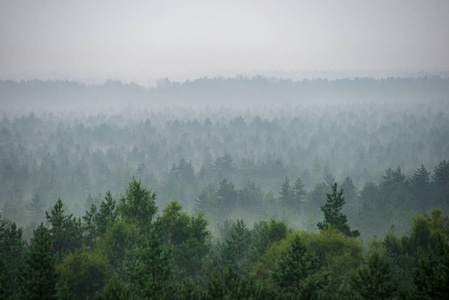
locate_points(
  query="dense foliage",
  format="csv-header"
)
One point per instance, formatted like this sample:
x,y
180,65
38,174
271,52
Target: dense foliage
x,y
172,255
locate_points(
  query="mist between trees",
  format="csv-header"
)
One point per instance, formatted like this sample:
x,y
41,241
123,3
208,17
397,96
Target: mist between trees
x,y
307,199
388,158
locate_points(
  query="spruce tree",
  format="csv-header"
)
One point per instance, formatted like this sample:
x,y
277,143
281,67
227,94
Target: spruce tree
x,y
333,215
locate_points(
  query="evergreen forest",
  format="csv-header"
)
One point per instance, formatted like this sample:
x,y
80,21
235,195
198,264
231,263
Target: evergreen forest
x,y
200,200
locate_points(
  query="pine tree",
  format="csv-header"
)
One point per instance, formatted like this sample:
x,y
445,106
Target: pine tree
x,y
11,250
333,215
90,226
374,281
432,277
151,268
226,199
59,223
65,230
38,277
292,271
114,290
138,206
107,213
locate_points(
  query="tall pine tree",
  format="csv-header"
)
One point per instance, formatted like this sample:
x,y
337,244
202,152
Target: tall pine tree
x,y
333,215
38,277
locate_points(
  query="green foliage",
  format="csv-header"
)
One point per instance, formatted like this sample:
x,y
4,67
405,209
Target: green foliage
x,y
293,270
138,206
90,226
150,268
332,213
107,214
188,236
119,238
225,200
236,247
174,224
38,276
65,231
432,277
84,273
11,250
375,280
114,290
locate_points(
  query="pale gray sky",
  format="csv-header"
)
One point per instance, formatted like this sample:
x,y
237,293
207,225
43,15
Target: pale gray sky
x,y
137,40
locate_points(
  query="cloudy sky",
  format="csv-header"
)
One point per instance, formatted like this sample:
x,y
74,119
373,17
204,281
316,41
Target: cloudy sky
x,y
145,40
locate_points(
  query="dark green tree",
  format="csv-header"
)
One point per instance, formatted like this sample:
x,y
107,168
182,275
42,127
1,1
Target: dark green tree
x,y
374,281
297,265
38,277
65,230
107,213
84,273
138,206
90,227
431,278
151,268
235,250
11,250
114,290
333,215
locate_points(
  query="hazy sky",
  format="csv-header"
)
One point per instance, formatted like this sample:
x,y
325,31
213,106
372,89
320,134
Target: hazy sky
x,y
145,40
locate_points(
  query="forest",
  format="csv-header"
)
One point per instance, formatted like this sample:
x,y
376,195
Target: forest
x,y
202,198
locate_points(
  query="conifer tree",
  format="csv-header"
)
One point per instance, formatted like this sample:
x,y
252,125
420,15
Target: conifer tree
x,y
65,230
151,268
38,277
11,250
292,271
90,226
286,193
107,213
138,206
298,195
374,281
333,215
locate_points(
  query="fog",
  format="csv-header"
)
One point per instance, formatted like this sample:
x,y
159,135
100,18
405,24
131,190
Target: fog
x,y
224,149
143,41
